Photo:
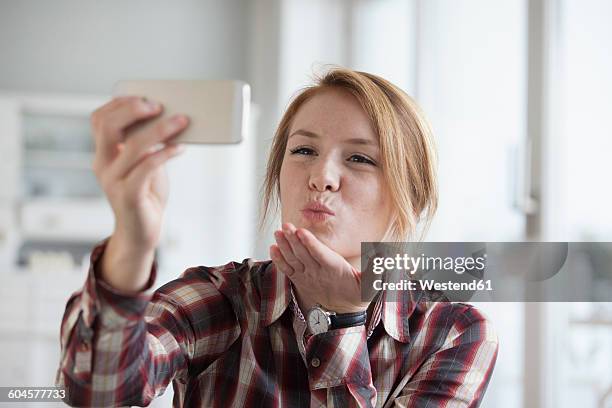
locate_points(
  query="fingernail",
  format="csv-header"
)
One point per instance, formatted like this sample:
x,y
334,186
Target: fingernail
x,y
151,105
179,119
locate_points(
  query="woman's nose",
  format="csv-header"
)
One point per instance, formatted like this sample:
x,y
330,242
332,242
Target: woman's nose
x,y
324,176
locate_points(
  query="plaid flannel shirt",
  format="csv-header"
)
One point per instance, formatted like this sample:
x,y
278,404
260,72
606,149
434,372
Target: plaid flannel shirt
x,y
226,337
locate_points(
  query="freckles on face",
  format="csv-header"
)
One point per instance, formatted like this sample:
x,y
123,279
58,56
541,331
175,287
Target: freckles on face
x,y
332,156
371,203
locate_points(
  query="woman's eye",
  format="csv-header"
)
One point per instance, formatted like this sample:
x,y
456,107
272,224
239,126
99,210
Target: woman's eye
x,y
361,159
356,158
301,150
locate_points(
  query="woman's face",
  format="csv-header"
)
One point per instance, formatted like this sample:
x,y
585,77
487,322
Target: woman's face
x,y
332,157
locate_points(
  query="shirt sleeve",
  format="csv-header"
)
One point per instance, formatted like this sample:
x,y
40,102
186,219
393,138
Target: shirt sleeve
x,y
339,360
124,349
458,373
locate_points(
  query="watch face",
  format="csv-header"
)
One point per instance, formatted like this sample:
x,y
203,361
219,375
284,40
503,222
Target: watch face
x,y
318,321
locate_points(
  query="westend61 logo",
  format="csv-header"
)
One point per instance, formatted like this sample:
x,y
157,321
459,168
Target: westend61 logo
x,y
412,264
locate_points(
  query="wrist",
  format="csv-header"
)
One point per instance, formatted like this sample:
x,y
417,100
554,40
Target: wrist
x,y
125,268
124,242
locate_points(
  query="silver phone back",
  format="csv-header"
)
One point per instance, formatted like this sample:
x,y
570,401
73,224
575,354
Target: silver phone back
x,y
218,110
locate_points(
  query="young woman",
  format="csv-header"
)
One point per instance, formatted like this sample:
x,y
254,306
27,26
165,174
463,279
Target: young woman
x,y
352,160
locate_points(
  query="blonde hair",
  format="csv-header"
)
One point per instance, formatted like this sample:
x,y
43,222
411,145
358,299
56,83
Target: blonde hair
x,y
406,145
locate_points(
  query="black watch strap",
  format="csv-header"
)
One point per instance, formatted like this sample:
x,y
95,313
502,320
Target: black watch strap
x,y
339,321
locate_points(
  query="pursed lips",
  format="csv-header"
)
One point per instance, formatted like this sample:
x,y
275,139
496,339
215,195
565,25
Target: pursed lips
x,y
317,212
318,207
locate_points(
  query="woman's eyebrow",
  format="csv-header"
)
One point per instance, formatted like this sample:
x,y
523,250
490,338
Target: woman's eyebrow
x,y
354,140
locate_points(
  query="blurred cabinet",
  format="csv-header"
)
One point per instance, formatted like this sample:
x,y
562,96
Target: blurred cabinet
x,y
57,152
9,148
31,309
9,176
49,192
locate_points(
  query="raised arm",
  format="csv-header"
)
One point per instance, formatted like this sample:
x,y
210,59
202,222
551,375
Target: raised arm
x,y
124,349
120,344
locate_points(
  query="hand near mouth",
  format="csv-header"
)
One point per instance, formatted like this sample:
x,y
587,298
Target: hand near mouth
x,y
319,274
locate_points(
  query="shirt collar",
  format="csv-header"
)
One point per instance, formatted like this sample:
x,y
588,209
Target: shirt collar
x,y
397,306
275,294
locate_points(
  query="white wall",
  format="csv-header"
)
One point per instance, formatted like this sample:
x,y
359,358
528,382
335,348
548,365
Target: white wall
x,y
384,40
86,45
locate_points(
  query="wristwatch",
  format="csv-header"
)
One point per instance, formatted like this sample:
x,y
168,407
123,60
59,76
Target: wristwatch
x,y
321,320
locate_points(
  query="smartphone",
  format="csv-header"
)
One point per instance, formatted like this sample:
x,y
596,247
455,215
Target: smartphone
x,y
218,111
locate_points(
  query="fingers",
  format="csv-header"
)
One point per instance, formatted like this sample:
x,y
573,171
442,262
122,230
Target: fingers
x,y
318,251
287,252
109,121
131,109
149,165
291,256
297,246
280,262
139,145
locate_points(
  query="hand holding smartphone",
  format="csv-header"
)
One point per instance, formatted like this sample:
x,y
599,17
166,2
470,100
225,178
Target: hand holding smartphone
x,y
136,134
218,111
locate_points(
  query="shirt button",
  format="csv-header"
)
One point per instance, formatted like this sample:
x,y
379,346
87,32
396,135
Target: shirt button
x,y
315,362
